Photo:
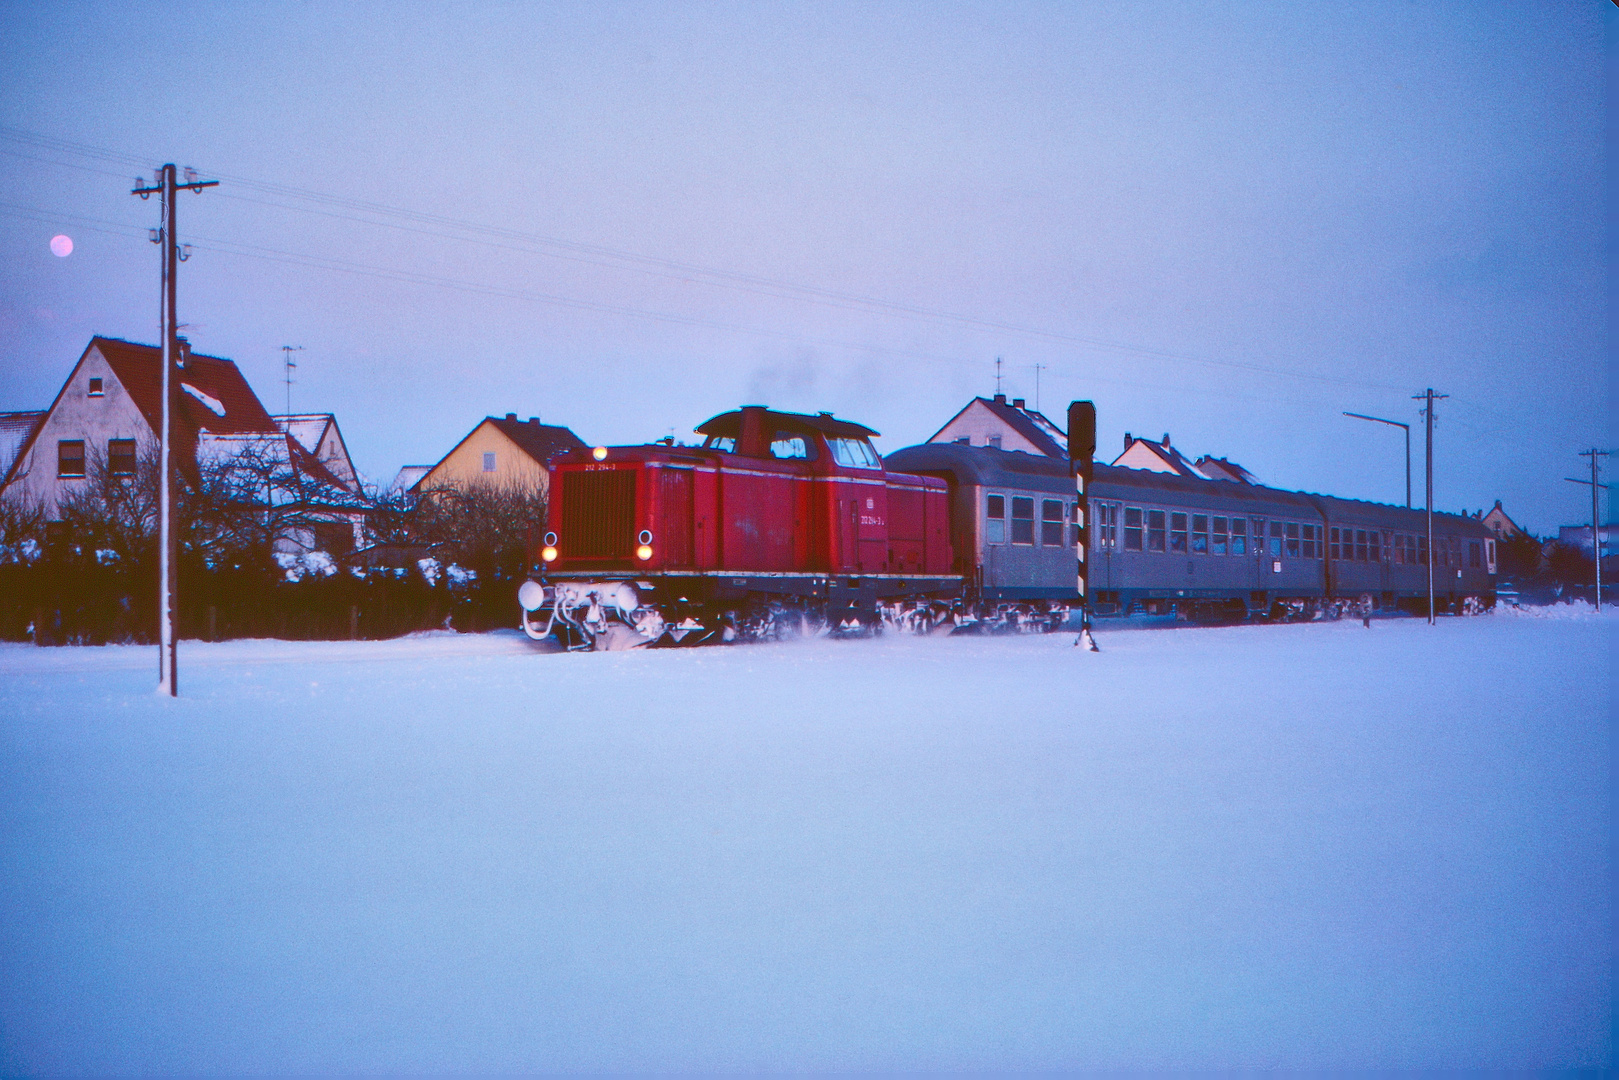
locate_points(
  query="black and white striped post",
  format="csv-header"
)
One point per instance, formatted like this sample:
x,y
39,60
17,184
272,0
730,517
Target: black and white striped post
x,y
1081,452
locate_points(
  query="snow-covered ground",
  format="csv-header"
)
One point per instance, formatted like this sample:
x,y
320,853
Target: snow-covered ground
x,y
1307,845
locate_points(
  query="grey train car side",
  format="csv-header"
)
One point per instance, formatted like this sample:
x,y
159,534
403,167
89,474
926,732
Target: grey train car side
x,y
1162,543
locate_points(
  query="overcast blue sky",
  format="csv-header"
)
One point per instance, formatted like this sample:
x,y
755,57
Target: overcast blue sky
x,y
1229,223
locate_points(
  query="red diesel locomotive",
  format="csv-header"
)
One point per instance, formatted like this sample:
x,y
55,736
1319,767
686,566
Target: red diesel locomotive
x,y
777,523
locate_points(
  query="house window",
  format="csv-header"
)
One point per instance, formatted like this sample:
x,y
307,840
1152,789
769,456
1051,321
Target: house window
x,y
1221,537
70,457
1022,520
995,519
121,457
1051,522
1200,534
1293,549
1155,530
1239,536
1132,528
489,461
993,441
95,388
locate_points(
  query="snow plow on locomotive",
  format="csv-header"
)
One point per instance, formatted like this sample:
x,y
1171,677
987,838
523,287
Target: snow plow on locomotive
x,y
778,524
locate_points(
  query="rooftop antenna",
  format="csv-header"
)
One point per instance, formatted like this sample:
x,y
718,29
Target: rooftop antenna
x,y
286,355
997,375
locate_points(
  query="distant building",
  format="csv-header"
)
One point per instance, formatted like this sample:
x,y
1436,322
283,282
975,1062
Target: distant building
x,y
503,453
1156,457
318,434
1580,536
1222,469
1004,425
1501,525
408,476
16,428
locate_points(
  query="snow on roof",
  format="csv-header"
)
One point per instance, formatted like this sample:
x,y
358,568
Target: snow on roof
x,y
215,406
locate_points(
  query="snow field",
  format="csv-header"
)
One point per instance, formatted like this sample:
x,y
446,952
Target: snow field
x,y
1310,845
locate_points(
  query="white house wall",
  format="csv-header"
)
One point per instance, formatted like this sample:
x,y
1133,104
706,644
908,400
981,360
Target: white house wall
x,y
77,415
977,424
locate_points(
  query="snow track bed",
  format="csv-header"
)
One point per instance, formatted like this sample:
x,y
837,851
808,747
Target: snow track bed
x,y
1303,845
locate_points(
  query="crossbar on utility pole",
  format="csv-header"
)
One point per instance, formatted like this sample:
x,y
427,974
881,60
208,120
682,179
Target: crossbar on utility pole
x,y
1427,414
1407,427
168,185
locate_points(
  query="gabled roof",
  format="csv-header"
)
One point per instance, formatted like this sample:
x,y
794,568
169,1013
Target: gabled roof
x,y
308,429
542,442
16,428
1029,423
1167,457
210,395
1223,469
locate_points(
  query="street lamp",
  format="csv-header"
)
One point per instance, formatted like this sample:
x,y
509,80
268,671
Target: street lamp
x,y
1407,427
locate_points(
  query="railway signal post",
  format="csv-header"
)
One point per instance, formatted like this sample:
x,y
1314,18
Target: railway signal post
x,y
1081,455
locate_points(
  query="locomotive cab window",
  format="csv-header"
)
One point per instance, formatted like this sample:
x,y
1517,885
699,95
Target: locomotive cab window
x,y
1022,520
790,447
725,444
1051,522
855,454
995,519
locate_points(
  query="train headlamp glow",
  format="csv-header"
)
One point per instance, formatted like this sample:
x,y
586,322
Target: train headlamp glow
x,y
644,552
548,554
531,595
600,453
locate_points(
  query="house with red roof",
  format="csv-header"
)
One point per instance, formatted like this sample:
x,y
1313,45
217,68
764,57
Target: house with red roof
x,y
107,415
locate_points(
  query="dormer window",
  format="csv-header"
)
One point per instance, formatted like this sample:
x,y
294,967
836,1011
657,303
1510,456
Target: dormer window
x,y
95,388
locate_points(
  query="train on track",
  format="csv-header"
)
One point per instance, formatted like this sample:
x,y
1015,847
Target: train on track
x,y
782,524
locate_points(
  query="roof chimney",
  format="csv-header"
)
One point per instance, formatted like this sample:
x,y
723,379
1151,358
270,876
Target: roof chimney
x,y
1000,399
1127,440
1017,403
182,349
1166,440
511,417
534,419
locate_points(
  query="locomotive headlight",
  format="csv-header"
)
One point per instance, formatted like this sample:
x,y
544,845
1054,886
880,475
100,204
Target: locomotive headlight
x,y
600,453
548,554
644,552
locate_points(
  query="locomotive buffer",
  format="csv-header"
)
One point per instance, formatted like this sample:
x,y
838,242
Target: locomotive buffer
x,y
1081,455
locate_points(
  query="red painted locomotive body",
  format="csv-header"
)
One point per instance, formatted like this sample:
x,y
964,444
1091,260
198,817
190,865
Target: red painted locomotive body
x,y
777,516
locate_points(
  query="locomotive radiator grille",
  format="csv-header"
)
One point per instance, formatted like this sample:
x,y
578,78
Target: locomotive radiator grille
x,y
598,512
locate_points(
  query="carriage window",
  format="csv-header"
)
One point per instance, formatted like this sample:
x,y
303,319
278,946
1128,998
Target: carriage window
x,y
1377,553
1022,520
1422,550
1132,528
725,444
995,519
1276,539
1200,534
1177,532
1239,536
1108,524
1334,552
1475,554
1455,552
1309,541
1398,554
788,446
1220,541
1155,530
1051,522
1293,540
855,453
1360,545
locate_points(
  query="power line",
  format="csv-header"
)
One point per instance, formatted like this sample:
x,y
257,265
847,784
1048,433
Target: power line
x,y
683,271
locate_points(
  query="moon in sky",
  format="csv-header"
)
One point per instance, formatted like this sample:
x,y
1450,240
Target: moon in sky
x,y
61,245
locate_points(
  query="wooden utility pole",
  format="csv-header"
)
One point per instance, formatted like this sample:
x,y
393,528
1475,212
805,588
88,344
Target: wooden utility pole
x,y
1596,514
167,184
